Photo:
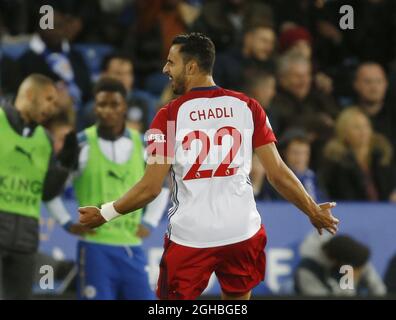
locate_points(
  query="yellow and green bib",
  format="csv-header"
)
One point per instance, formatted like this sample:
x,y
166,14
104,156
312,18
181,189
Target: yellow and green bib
x,y
23,167
103,180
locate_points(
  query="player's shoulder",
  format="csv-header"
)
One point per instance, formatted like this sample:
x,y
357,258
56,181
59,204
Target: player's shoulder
x,y
252,103
169,110
172,107
236,94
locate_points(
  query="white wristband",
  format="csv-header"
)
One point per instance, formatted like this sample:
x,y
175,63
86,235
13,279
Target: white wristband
x,y
108,211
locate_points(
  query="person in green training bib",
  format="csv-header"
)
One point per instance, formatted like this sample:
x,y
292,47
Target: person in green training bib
x,y
29,174
112,264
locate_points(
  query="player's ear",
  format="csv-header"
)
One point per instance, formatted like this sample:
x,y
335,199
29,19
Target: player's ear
x,y
192,67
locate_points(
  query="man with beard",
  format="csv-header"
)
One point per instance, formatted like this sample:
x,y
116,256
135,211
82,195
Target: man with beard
x,y
214,225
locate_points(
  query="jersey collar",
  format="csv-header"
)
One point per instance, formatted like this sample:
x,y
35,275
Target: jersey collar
x,y
205,88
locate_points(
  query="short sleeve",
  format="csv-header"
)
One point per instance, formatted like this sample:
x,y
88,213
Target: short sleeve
x,y
262,133
160,137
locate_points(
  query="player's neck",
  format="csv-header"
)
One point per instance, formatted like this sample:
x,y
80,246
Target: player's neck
x,y
111,133
200,81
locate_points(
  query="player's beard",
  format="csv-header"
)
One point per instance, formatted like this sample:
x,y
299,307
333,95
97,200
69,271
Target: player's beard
x,y
179,84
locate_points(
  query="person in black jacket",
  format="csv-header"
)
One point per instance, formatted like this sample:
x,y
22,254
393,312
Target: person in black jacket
x,y
29,173
236,66
371,85
358,161
51,53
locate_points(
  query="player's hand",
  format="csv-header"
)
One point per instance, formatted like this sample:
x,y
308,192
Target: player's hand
x,y
80,230
91,217
143,231
323,218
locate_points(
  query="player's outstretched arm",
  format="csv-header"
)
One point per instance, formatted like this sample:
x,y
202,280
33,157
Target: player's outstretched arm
x,y
288,185
58,211
135,198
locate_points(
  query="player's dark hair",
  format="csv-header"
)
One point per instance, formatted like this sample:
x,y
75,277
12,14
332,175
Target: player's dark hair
x,y
345,250
199,47
109,85
114,55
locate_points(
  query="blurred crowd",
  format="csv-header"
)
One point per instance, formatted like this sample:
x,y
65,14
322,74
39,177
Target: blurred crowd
x,y
327,92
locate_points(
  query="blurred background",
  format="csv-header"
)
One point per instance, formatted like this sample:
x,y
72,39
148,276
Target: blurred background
x,y
329,94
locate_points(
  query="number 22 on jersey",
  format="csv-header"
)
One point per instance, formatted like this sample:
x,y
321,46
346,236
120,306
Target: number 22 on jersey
x,y
223,169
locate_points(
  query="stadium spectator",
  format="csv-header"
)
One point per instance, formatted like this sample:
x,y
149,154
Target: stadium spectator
x,y
51,53
224,20
118,16
358,161
234,67
373,40
318,273
262,87
14,17
141,104
370,86
295,149
340,51
297,102
298,40
290,14
150,37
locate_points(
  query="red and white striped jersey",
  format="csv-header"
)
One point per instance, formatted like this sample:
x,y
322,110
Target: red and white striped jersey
x,y
210,133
